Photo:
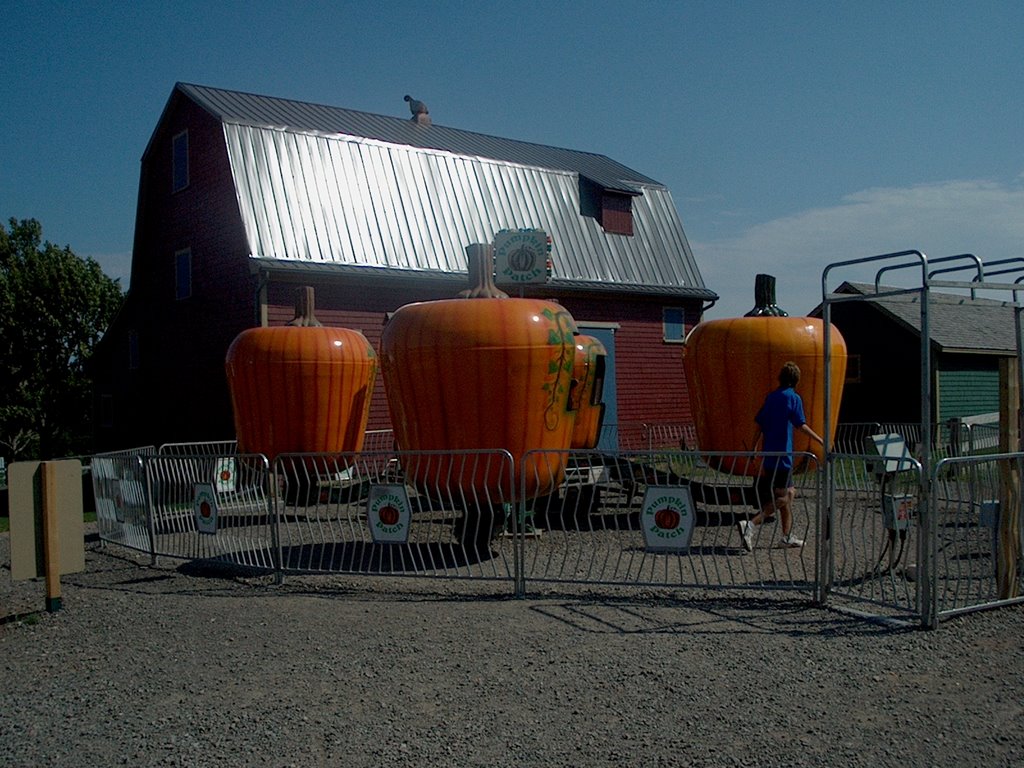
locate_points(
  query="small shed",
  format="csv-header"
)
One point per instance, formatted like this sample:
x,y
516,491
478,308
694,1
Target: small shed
x,y
242,198
969,337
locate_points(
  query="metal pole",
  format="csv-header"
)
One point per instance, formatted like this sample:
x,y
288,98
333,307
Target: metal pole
x,y
928,521
144,466
825,486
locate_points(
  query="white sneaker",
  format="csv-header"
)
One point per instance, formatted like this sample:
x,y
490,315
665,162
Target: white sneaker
x,y
789,540
746,529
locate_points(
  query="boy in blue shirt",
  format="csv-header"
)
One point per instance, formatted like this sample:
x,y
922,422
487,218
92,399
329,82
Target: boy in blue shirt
x,y
781,413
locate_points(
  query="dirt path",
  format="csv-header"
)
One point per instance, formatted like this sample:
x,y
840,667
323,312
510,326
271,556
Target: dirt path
x,y
179,665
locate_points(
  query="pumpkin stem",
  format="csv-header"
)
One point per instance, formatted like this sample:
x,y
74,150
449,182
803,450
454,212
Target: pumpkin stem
x,y
304,301
480,260
764,298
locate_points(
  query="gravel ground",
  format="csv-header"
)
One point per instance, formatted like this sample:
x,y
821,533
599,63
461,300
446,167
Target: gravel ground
x,y
182,665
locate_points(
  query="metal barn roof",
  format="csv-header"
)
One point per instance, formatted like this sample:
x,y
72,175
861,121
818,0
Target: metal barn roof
x,y
321,185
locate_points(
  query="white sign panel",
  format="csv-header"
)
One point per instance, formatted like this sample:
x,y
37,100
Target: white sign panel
x,y
225,474
205,506
521,256
666,518
388,514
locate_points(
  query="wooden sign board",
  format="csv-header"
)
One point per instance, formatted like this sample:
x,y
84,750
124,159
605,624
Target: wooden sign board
x,y
25,484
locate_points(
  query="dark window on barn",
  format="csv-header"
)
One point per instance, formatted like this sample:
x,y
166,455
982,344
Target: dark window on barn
x,y
179,161
853,369
673,324
133,350
612,210
183,274
106,411
617,213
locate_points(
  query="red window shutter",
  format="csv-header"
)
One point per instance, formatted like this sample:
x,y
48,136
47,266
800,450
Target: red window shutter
x,y
617,213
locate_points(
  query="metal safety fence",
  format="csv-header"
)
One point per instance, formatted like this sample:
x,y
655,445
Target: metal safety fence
x,y
665,519
399,513
881,538
428,514
953,437
898,551
873,539
122,504
978,558
209,507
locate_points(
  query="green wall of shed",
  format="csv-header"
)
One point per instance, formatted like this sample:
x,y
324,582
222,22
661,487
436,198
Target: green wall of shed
x,y
968,391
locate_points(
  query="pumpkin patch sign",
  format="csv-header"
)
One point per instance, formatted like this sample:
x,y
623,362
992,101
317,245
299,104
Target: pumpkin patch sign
x,y
666,518
388,514
204,505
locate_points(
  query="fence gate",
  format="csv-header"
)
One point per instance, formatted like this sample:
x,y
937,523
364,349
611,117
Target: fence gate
x,y
875,539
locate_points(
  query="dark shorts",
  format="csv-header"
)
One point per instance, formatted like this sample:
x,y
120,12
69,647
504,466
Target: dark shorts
x,y
772,480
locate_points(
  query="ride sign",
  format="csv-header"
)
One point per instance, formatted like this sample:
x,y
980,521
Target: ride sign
x,y
387,514
666,518
521,256
205,508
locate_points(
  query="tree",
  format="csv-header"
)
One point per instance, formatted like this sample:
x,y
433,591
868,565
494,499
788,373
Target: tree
x,y
54,307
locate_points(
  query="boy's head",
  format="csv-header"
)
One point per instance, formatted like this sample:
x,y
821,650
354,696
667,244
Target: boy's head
x,y
789,376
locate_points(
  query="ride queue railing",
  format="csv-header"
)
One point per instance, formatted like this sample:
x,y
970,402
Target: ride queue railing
x,y
872,544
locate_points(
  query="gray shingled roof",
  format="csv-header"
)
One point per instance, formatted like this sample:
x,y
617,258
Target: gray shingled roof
x,y
956,322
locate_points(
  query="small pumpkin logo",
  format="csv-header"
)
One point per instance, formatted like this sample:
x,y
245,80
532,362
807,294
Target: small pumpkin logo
x,y
522,259
667,519
388,515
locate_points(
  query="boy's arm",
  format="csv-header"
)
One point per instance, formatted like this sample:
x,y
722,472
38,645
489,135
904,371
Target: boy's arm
x,y
806,429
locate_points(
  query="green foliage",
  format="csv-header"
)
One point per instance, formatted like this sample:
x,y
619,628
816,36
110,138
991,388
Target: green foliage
x,y
54,307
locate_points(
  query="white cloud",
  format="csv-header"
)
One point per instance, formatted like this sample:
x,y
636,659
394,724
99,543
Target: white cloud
x,y
941,219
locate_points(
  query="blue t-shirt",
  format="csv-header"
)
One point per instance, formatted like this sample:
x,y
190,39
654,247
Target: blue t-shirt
x,y
782,410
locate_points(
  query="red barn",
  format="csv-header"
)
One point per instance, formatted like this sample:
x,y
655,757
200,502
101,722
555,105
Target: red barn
x,y
243,198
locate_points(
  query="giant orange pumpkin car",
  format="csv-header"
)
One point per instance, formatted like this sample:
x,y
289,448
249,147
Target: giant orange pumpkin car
x,y
482,372
302,387
731,364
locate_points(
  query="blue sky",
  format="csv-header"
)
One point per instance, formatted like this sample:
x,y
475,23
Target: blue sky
x,y
792,134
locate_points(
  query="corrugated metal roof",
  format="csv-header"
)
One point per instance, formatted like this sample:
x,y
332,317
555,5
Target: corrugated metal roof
x,y
955,322
269,112
322,185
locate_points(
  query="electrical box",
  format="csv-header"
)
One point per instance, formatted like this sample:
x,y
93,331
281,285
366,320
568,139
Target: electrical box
x,y
988,514
898,510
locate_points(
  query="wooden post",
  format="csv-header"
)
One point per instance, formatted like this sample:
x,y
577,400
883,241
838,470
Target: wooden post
x,y
51,536
1009,476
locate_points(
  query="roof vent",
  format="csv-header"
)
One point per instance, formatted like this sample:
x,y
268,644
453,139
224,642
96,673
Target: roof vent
x,y
420,113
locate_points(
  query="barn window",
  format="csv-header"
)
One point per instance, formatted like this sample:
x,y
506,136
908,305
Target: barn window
x,y
183,274
106,411
612,209
673,324
617,213
179,161
133,350
853,372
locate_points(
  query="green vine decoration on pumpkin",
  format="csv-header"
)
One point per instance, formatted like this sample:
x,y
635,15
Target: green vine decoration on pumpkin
x,y
561,338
